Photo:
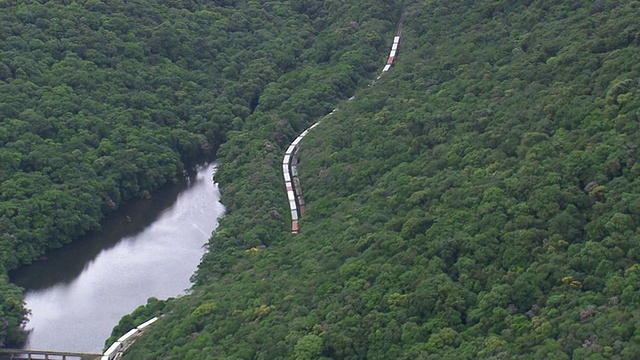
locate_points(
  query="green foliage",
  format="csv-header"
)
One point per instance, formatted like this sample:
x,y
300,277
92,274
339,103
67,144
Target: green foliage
x,y
103,102
308,347
13,315
143,313
478,201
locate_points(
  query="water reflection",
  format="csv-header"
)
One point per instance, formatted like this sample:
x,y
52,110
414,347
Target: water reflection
x,y
148,248
64,265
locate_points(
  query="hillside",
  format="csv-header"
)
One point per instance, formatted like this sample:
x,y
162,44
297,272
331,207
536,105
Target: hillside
x,y
103,102
479,201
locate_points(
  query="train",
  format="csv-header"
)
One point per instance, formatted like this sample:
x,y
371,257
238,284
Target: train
x,y
117,348
292,181
393,55
290,160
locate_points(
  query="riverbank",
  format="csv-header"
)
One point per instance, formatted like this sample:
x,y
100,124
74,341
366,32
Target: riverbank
x,y
148,248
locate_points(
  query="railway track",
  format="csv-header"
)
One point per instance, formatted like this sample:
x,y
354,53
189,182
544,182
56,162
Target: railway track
x,y
290,160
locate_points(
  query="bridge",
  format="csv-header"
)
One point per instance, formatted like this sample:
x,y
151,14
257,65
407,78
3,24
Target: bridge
x,y
114,351
11,354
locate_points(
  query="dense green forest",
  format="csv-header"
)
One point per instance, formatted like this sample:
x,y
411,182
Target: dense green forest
x,y
102,102
478,201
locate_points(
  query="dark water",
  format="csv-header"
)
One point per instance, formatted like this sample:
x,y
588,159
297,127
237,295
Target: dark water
x,y
149,248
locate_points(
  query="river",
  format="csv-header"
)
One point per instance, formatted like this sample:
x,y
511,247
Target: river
x,y
148,248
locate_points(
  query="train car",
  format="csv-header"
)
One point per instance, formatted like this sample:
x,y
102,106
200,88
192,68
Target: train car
x,y
290,175
129,337
393,54
112,351
144,325
291,149
289,168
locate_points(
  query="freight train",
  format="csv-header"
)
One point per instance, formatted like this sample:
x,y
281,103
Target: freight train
x,y
117,348
393,55
292,181
290,160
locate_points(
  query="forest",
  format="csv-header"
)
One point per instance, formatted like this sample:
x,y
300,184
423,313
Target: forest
x,y
104,102
480,200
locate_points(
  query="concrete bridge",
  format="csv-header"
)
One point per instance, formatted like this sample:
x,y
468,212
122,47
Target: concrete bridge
x,y
15,354
115,351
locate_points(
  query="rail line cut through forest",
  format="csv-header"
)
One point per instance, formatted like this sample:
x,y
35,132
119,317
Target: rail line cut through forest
x,y
290,160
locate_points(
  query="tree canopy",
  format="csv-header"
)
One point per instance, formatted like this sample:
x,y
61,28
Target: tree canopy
x,y
103,102
480,200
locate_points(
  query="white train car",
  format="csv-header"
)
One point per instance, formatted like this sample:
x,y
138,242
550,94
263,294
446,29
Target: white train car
x,y
290,175
144,325
393,54
291,149
128,338
112,351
